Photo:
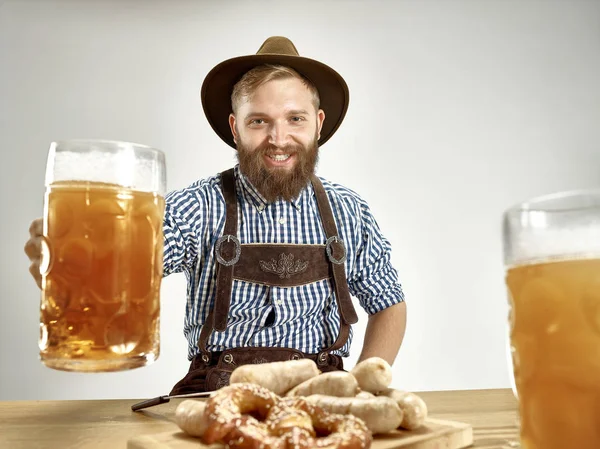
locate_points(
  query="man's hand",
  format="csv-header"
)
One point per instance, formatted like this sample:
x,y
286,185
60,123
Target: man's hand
x,y
33,249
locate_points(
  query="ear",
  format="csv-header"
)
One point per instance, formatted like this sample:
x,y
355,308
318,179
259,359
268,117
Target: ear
x,y
320,120
232,123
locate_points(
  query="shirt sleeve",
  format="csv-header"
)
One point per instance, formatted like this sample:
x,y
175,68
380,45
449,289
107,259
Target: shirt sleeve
x,y
183,215
374,281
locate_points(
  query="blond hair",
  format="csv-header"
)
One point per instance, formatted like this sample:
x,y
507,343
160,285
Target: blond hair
x,y
256,77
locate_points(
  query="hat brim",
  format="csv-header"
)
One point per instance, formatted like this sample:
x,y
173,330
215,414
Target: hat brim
x,y
218,86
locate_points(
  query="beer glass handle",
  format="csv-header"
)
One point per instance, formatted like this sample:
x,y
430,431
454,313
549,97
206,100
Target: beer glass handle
x,y
150,403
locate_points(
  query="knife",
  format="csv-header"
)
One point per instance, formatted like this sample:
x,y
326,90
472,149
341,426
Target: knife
x,y
164,399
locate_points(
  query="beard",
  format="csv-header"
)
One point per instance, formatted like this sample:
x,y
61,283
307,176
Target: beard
x,y
274,183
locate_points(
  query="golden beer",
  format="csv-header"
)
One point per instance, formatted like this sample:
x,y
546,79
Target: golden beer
x,y
555,338
101,289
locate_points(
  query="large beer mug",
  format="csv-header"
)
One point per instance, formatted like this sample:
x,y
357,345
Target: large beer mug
x,y
101,256
552,256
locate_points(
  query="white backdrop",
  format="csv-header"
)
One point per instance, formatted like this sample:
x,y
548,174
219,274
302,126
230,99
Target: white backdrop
x,y
458,109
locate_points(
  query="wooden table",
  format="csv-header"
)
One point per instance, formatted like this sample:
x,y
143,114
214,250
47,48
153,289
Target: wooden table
x,y
110,423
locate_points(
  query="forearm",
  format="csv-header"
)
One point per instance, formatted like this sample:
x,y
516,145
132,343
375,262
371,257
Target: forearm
x,y
384,333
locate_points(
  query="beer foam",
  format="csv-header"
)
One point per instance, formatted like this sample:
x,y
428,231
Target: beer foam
x,y
125,167
535,245
558,226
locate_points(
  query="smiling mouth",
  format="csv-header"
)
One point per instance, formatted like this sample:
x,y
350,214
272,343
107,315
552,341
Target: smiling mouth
x,y
279,157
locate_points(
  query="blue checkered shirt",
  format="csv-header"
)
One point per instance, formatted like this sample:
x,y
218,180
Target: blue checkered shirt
x,y
305,317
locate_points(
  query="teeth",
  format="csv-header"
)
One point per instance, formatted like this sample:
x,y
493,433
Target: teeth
x,y
279,157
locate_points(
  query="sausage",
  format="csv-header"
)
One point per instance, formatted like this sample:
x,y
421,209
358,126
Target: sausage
x,y
373,374
334,383
279,377
189,416
381,414
412,406
364,394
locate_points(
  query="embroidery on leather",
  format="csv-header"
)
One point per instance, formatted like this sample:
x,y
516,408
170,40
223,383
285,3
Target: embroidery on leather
x,y
259,360
285,267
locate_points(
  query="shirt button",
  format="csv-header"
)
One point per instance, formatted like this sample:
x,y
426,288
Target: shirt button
x,y
281,220
261,208
279,301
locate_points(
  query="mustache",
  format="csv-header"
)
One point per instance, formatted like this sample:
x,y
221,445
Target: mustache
x,y
269,149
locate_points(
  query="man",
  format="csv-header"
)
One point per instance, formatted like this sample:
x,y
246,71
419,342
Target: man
x,y
272,252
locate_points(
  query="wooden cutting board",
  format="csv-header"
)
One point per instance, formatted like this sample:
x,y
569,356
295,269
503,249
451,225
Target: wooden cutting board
x,y
435,434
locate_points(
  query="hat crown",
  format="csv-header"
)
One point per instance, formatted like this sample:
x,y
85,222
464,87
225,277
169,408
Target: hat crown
x,y
277,45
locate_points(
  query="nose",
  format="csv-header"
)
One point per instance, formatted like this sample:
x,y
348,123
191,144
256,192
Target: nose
x,y
278,134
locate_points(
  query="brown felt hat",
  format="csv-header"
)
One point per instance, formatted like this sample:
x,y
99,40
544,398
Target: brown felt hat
x,y
218,85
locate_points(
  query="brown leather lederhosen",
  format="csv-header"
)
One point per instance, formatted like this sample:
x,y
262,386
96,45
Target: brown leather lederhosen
x,y
279,265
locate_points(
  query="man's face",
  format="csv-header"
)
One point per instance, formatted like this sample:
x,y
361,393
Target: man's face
x,y
276,134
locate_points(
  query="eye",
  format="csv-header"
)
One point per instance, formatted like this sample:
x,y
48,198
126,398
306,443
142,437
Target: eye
x,y
257,121
297,119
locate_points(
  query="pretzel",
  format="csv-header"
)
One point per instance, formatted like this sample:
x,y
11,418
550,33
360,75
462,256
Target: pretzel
x,y
342,431
225,408
248,416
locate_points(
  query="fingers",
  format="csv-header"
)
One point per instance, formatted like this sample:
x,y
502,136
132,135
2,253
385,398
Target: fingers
x,y
34,269
36,228
33,248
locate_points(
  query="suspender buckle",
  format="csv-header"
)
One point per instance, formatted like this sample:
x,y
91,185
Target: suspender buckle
x,y
329,250
238,250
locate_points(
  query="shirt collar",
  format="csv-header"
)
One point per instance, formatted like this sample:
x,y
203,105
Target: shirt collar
x,y
250,194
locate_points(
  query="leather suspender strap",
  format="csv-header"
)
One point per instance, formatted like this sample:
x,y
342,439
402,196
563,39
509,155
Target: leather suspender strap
x,y
217,317
227,246
205,332
337,255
